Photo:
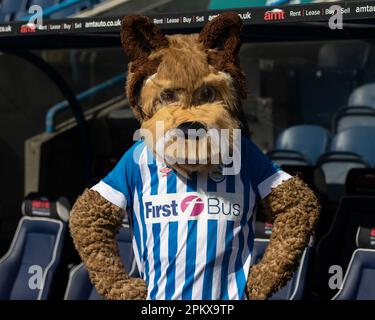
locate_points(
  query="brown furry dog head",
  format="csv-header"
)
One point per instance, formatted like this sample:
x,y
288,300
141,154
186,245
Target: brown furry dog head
x,y
185,82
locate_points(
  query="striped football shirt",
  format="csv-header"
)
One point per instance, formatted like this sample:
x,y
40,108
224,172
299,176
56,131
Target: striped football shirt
x,y
192,237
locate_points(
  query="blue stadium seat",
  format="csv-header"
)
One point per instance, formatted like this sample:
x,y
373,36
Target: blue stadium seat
x,y
309,140
13,6
335,167
361,182
358,140
37,243
287,158
80,287
4,17
357,116
344,55
295,287
359,280
363,96
340,242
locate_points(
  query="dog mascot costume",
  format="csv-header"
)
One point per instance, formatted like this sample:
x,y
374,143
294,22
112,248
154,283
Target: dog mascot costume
x,y
193,226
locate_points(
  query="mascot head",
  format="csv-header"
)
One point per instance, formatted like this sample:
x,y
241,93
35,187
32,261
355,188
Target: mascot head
x,y
186,89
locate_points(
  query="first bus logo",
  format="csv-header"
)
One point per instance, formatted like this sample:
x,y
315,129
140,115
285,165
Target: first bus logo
x,y
274,15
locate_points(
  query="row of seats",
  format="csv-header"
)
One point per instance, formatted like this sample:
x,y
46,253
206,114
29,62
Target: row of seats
x,y
30,268
342,265
34,264
333,157
345,257
305,144
17,9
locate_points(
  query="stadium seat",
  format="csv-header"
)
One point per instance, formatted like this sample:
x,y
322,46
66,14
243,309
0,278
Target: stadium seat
x,y
357,116
287,158
13,6
359,280
339,244
344,55
295,287
358,140
80,287
363,96
309,140
361,182
4,17
36,247
335,167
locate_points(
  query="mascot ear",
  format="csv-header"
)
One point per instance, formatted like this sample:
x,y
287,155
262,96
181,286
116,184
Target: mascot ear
x,y
223,33
139,37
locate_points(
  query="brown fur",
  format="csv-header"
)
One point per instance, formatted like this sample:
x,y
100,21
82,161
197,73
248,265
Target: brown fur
x,y
94,223
181,60
295,210
212,115
222,39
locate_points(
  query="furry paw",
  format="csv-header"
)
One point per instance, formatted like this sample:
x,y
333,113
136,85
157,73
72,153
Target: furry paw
x,y
130,289
257,287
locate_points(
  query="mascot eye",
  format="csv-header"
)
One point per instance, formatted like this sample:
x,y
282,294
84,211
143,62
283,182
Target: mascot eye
x,y
206,94
168,96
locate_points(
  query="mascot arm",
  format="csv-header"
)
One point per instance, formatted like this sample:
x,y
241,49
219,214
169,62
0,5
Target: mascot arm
x,y
294,209
94,223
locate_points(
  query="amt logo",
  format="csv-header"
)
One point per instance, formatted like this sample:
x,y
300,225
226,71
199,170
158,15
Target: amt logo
x,y
193,205
274,15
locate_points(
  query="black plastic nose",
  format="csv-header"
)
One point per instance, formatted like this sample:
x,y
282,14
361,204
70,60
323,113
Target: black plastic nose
x,y
195,125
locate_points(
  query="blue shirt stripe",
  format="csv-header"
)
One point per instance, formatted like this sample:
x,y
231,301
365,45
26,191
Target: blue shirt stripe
x,y
157,263
210,259
144,233
192,183
226,259
172,251
210,249
191,249
240,276
172,243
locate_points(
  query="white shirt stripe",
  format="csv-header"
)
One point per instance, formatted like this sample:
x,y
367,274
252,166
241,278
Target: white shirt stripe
x,y
232,283
112,195
220,248
181,244
164,231
201,244
271,182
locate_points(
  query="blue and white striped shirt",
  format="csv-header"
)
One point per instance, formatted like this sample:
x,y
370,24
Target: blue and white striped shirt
x,y
193,237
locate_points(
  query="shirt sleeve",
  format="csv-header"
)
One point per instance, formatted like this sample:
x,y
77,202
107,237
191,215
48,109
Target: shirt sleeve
x,y
117,186
265,175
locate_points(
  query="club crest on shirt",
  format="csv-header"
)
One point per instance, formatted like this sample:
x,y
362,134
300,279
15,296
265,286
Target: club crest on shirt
x,y
217,175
